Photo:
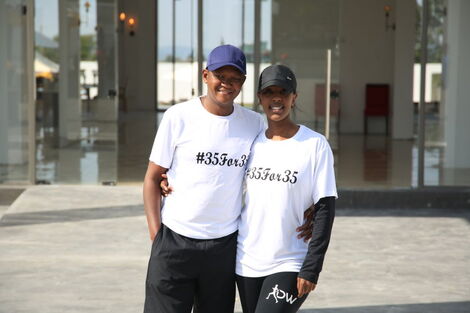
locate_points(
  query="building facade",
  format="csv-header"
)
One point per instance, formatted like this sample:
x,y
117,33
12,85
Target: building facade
x,y
84,83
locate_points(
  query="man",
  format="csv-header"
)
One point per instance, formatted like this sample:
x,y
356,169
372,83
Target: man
x,y
203,146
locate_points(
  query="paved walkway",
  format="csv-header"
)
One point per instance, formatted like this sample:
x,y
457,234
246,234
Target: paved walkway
x,y
85,249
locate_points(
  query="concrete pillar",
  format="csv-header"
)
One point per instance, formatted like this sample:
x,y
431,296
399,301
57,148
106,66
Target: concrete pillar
x,y
4,74
137,55
456,84
14,88
69,74
106,41
402,106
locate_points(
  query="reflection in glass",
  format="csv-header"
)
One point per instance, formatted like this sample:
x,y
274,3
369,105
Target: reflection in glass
x,y
76,143
177,59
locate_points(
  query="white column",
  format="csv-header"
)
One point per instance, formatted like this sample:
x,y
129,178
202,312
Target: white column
x,y
456,84
402,107
4,101
69,74
106,19
14,96
105,107
30,97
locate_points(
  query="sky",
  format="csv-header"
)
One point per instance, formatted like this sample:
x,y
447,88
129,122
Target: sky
x,y
222,22
47,17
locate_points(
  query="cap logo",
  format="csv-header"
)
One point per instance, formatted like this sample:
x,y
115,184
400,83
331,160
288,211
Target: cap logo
x,y
289,78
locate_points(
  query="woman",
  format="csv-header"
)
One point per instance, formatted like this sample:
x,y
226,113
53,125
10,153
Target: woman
x,y
290,168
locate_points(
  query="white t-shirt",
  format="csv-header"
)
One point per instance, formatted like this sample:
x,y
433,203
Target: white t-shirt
x,y
206,155
283,179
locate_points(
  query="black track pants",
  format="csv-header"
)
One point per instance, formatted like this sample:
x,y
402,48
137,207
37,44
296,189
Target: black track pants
x,y
185,272
276,293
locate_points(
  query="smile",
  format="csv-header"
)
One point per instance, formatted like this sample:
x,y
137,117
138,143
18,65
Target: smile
x,y
276,108
225,91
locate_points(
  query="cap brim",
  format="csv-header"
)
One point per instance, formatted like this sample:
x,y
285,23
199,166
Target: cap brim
x,y
216,66
279,83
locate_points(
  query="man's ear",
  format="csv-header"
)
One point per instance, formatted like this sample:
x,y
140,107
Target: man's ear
x,y
205,73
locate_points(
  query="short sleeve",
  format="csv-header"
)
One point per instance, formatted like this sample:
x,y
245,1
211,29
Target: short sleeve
x,y
262,123
324,182
164,144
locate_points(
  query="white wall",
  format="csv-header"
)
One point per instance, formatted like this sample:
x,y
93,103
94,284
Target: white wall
x,y
366,56
431,70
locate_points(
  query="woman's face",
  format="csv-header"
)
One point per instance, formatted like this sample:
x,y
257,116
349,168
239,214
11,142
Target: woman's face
x,y
276,102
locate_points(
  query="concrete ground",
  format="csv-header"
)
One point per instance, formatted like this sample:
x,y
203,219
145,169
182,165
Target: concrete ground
x,y
85,249
8,195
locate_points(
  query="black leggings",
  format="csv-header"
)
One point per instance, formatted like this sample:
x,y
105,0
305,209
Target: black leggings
x,y
276,293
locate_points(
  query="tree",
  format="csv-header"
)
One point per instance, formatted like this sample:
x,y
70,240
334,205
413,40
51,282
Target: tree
x,y
88,47
437,14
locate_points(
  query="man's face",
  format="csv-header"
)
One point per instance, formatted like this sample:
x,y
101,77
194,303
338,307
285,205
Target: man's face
x,y
223,84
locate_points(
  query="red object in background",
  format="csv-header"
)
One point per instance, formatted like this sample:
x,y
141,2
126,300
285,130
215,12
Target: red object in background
x,y
377,103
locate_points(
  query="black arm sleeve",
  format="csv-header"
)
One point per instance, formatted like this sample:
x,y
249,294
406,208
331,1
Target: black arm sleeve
x,y
322,225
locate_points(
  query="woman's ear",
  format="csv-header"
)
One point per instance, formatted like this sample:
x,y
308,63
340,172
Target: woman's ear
x,y
294,99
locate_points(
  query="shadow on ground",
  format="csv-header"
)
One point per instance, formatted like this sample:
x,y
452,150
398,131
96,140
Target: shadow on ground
x,y
440,307
76,215
71,215
9,195
444,212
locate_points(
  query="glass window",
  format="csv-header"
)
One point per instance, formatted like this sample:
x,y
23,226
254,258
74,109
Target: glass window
x,y
177,56
76,91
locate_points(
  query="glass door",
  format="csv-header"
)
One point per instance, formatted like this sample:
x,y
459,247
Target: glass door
x,y
310,48
303,46
75,69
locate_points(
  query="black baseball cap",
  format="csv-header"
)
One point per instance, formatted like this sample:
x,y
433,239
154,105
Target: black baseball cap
x,y
226,55
278,75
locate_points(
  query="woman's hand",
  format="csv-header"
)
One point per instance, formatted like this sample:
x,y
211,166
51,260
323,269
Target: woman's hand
x,y
304,287
306,229
166,190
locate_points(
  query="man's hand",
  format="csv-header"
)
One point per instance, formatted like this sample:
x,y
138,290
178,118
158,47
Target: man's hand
x,y
305,231
304,287
165,189
152,197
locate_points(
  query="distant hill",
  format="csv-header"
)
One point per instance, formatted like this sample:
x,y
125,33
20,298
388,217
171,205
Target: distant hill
x,y
182,53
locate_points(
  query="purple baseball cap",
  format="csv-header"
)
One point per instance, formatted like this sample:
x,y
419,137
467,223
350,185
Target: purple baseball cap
x,y
226,55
